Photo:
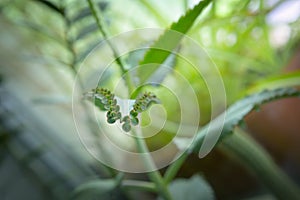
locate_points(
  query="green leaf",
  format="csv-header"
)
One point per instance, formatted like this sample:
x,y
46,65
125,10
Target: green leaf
x,y
194,188
134,57
52,6
159,75
40,29
87,30
95,188
167,67
86,12
284,80
89,48
235,114
55,99
166,44
159,16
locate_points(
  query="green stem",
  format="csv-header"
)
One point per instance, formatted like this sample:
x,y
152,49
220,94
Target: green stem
x,y
141,145
104,32
138,185
73,68
90,120
153,174
249,153
159,18
174,168
185,5
70,45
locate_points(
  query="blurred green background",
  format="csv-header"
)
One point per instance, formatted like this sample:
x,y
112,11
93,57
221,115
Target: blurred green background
x,y
43,46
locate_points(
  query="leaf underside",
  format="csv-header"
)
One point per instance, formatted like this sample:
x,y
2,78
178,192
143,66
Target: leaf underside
x,y
235,114
161,49
291,79
86,31
94,189
191,189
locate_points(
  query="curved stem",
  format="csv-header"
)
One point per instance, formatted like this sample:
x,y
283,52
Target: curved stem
x,y
174,168
104,32
74,72
153,174
250,154
159,18
138,185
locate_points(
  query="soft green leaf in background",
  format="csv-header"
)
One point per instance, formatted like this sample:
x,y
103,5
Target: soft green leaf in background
x,y
291,79
231,31
194,188
94,189
165,45
234,115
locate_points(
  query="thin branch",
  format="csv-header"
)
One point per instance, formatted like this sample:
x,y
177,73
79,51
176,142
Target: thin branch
x,y
138,185
174,168
153,173
104,32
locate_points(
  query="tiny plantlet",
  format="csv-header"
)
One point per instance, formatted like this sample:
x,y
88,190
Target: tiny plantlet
x,y
106,100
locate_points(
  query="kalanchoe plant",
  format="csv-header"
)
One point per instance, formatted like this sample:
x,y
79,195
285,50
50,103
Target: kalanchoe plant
x,y
106,100
233,140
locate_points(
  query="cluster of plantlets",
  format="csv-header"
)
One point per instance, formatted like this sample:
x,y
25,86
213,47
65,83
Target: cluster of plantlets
x,y
106,101
109,103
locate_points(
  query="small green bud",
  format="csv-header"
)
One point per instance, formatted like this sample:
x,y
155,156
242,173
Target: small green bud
x,y
134,121
133,113
126,127
143,107
114,102
106,106
118,115
126,119
104,101
111,120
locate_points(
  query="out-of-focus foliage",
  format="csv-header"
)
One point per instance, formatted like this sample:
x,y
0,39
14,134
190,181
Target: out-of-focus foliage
x,y
236,113
45,42
194,188
237,35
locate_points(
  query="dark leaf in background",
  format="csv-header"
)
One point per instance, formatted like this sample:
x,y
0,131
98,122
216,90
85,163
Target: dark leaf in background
x,y
94,189
194,188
